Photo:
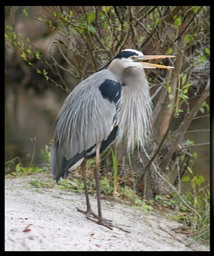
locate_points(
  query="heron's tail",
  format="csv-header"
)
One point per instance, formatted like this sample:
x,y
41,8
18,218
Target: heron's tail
x,y
60,165
56,163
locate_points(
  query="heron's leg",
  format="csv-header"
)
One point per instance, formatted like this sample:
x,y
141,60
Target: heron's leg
x,y
88,210
101,220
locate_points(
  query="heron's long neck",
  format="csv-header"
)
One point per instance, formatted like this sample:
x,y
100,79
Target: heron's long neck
x,y
135,108
117,68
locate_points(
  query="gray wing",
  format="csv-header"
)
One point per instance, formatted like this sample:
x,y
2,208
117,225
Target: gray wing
x,y
86,118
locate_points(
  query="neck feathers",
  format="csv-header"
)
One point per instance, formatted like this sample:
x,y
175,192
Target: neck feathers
x,y
135,109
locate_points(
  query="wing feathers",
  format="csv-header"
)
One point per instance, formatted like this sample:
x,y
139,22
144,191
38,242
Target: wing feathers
x,y
86,117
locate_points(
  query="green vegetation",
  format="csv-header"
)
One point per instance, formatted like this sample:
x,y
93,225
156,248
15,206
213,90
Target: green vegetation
x,y
196,224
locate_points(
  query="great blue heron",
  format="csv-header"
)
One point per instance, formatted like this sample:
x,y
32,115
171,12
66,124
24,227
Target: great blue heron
x,y
111,104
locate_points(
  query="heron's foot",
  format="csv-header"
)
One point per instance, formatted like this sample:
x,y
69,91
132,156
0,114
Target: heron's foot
x,y
105,222
88,212
101,220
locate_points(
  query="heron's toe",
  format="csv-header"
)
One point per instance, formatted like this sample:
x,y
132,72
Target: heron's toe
x,y
88,212
105,222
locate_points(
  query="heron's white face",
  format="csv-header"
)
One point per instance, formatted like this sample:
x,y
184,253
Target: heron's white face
x,y
138,58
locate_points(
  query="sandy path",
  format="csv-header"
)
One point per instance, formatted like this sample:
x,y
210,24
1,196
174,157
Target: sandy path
x,y
38,219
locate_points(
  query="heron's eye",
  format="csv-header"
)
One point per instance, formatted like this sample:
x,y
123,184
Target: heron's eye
x,y
132,57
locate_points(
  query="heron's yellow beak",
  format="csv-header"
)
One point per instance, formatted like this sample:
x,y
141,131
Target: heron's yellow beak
x,y
153,57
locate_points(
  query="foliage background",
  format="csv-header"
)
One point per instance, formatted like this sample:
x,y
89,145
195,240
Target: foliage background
x,y
55,47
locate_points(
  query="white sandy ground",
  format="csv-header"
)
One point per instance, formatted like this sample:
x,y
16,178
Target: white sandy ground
x,y
41,219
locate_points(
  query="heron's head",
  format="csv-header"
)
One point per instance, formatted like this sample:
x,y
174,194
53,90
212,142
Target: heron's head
x,y
134,58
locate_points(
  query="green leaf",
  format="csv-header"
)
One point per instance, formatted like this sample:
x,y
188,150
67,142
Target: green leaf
x,y
180,111
45,74
195,9
106,8
37,183
183,96
157,20
80,30
105,24
147,207
29,51
45,153
202,110
189,142
183,78
169,89
203,58
14,36
10,28
186,179
169,51
204,106
37,54
207,50
24,56
185,90
199,180
18,168
195,155
187,38
177,21
189,169
25,12
6,36
91,29
91,17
